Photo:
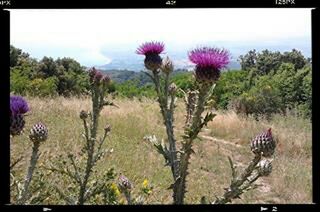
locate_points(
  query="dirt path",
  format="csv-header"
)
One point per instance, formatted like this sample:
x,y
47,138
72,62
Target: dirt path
x,y
227,148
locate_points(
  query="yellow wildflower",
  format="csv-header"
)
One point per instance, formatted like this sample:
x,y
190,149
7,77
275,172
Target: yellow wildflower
x,y
115,189
145,183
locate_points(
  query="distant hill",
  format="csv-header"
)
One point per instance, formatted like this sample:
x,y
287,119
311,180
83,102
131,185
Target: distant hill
x,y
121,76
137,66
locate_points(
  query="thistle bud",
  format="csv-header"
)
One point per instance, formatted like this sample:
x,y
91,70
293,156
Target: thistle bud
x,y
83,115
263,144
97,78
95,75
172,88
106,79
38,132
124,183
92,74
107,128
167,66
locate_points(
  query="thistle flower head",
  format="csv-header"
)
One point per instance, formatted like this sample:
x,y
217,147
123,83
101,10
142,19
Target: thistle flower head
x,y
18,105
38,133
17,123
98,76
106,79
83,115
152,47
151,50
92,73
107,128
124,183
209,62
263,144
95,75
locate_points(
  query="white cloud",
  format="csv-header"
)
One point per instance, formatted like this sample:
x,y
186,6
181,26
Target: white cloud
x,y
90,30
96,27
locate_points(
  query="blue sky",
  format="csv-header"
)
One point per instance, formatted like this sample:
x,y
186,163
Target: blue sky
x,y
96,37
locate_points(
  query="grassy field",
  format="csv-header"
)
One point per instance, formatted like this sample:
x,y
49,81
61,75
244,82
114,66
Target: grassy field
x,y
227,135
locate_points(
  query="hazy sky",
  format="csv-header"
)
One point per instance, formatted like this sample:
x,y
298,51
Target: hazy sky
x,y
91,36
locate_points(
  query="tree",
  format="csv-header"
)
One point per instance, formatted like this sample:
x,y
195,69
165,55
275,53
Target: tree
x,y
268,61
248,60
295,57
47,67
288,85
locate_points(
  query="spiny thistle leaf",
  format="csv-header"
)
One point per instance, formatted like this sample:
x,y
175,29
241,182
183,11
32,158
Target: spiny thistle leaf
x,y
209,117
233,169
109,103
161,148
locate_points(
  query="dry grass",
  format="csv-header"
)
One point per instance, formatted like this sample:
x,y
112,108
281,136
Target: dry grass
x,y
291,178
290,181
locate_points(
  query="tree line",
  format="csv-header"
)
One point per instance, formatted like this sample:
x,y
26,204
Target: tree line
x,y
268,82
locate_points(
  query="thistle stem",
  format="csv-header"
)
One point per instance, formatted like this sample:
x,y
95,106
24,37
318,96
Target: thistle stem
x,y
235,188
167,115
127,194
179,189
33,161
96,108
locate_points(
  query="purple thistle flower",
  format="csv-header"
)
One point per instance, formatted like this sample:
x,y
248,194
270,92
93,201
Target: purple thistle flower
x,y
209,62
151,50
95,75
18,105
98,77
92,73
106,79
152,47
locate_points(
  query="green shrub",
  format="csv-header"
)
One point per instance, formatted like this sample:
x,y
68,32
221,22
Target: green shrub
x,y
43,87
261,100
132,89
19,83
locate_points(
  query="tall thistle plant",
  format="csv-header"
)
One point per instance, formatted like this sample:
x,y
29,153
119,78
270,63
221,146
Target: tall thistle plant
x,y
81,174
209,62
38,134
263,147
